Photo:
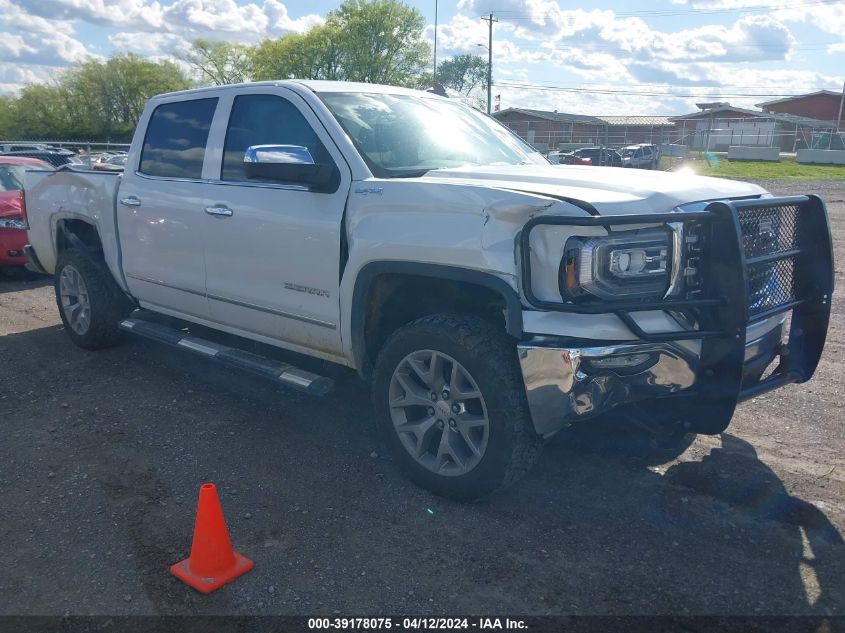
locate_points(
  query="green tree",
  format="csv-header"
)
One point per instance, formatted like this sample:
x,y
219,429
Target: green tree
x,y
41,112
315,54
94,100
111,96
466,74
219,62
376,41
7,116
381,41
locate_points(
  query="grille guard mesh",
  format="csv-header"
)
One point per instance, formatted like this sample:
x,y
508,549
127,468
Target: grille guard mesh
x,y
761,257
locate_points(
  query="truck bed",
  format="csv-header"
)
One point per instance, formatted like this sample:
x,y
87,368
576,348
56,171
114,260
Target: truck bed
x,y
67,194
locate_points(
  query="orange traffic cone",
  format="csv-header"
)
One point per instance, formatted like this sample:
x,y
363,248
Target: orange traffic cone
x,y
212,562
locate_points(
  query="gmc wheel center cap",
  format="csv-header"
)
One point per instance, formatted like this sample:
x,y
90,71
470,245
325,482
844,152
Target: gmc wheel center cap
x,y
442,407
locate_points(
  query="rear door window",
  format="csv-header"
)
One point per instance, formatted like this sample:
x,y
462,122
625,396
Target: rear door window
x,y
177,134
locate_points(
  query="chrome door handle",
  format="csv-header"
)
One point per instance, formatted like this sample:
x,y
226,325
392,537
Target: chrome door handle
x,y
220,210
130,201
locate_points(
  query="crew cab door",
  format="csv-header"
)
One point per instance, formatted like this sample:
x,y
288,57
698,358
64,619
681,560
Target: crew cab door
x,y
273,248
160,214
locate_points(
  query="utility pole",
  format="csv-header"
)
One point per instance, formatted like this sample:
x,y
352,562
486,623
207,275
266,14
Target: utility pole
x,y
489,19
841,101
434,70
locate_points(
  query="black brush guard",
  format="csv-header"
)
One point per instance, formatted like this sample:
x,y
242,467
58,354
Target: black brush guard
x,y
758,258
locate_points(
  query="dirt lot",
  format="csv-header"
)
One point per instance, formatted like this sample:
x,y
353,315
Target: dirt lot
x,y
102,455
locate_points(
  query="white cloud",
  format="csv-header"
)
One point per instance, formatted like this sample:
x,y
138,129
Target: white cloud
x,y
827,16
35,40
628,51
42,32
13,77
538,19
534,40
589,103
104,12
197,17
461,34
216,16
144,43
751,38
14,17
666,93
280,21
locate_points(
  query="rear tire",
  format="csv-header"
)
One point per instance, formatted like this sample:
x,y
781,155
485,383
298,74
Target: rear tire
x,y
90,302
463,440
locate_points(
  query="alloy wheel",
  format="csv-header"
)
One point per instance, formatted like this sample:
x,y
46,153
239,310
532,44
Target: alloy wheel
x,y
76,304
438,412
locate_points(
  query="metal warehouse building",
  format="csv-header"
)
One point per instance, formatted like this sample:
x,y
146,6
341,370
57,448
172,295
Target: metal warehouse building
x,y
557,130
719,125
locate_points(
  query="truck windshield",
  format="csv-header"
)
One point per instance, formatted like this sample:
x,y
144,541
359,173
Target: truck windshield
x,y
402,136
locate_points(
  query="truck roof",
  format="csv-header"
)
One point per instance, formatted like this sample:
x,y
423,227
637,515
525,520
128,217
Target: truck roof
x,y
313,85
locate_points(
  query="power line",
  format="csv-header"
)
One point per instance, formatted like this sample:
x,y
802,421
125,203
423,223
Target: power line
x,y
578,84
616,49
513,16
547,88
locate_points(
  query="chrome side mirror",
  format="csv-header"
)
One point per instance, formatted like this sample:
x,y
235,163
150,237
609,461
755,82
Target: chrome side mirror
x,y
292,164
278,154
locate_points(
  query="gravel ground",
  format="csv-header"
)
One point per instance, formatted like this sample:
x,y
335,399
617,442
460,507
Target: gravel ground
x,y
103,453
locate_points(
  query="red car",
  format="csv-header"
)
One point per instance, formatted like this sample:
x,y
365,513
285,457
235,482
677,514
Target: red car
x,y
12,213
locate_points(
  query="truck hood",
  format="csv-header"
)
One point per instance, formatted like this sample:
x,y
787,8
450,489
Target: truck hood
x,y
610,190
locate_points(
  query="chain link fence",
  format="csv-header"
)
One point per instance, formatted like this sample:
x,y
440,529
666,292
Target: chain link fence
x,y
701,134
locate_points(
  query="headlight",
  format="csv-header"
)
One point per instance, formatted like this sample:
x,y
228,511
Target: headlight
x,y
12,223
622,265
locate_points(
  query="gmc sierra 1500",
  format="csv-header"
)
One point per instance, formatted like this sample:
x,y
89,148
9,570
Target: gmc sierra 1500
x,y
491,298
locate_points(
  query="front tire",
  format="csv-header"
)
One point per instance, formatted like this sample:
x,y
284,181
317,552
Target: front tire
x,y
90,302
451,404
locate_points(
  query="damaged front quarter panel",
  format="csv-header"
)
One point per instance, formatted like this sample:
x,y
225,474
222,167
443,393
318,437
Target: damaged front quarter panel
x,y
503,219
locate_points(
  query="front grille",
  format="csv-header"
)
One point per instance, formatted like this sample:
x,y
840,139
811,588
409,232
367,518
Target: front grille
x,y
770,231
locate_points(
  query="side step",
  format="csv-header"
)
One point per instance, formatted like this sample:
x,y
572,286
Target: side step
x,y
284,373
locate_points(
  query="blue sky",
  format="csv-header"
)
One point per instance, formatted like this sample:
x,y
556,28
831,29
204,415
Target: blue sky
x,y
608,57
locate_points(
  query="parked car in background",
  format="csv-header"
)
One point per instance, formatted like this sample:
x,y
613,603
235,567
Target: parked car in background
x,y
115,162
56,159
12,215
570,158
641,156
34,147
21,147
567,158
600,156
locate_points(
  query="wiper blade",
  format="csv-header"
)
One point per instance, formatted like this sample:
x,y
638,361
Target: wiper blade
x,y
416,173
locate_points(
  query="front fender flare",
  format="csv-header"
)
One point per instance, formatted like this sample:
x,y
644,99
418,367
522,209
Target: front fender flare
x,y
372,270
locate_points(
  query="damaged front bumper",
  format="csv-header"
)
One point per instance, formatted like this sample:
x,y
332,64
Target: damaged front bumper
x,y
567,384
740,317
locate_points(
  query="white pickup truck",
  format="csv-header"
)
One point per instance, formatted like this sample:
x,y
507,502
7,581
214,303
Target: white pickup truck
x,y
491,299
